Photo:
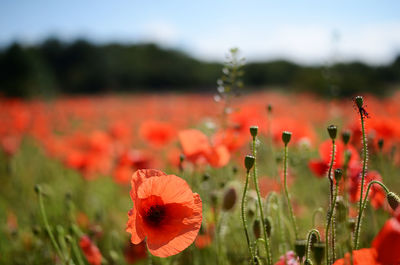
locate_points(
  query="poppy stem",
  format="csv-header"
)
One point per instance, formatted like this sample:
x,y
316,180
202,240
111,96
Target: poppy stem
x,y
292,217
309,242
330,177
243,208
260,206
330,218
367,193
360,204
46,224
317,211
77,252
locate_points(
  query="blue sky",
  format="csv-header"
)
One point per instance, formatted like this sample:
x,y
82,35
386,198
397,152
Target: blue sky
x,y
298,30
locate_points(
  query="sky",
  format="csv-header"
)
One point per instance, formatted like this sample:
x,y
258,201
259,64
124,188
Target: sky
x,y
304,31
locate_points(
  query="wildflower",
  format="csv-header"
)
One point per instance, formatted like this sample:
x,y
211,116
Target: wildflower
x,y
92,253
387,242
364,256
165,211
156,133
288,259
320,166
197,149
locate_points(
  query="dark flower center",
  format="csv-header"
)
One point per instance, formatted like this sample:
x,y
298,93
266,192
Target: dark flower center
x,y
155,215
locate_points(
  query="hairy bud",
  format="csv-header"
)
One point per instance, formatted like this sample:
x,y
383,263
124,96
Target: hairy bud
x,y
332,130
286,137
249,162
393,200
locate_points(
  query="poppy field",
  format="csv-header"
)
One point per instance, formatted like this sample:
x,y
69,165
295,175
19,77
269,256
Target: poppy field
x,y
197,179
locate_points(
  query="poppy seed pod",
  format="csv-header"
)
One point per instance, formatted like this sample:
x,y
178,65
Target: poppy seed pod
x,y
393,200
286,137
346,137
359,101
332,130
319,252
300,248
254,131
230,198
338,174
249,162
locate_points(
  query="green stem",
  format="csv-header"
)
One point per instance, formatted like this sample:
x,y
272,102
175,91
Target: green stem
x,y
77,252
48,229
360,204
292,218
308,246
267,247
330,218
320,211
244,221
368,188
330,177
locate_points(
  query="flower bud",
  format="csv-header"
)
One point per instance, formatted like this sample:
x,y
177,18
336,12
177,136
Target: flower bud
x,y
346,137
300,248
380,144
230,198
393,200
319,252
249,162
351,224
341,210
269,108
338,174
308,262
254,131
286,137
332,130
268,226
359,101
37,189
257,228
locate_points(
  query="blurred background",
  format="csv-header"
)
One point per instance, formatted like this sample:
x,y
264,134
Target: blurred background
x,y
334,49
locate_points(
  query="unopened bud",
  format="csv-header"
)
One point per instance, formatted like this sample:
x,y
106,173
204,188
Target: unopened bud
x,y
37,189
380,144
351,224
269,108
214,199
359,101
332,130
268,226
286,137
249,162
346,137
254,131
393,200
338,174
230,198
257,228
308,262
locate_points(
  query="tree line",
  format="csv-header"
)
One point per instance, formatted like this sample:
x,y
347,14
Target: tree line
x,y
54,67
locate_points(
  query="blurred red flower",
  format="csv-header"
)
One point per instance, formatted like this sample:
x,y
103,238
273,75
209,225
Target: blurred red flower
x,y
157,133
90,250
165,211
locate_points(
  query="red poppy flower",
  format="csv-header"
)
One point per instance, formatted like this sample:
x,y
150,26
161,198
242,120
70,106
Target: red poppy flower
x,y
320,166
387,242
92,253
197,149
156,133
364,256
377,195
165,211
